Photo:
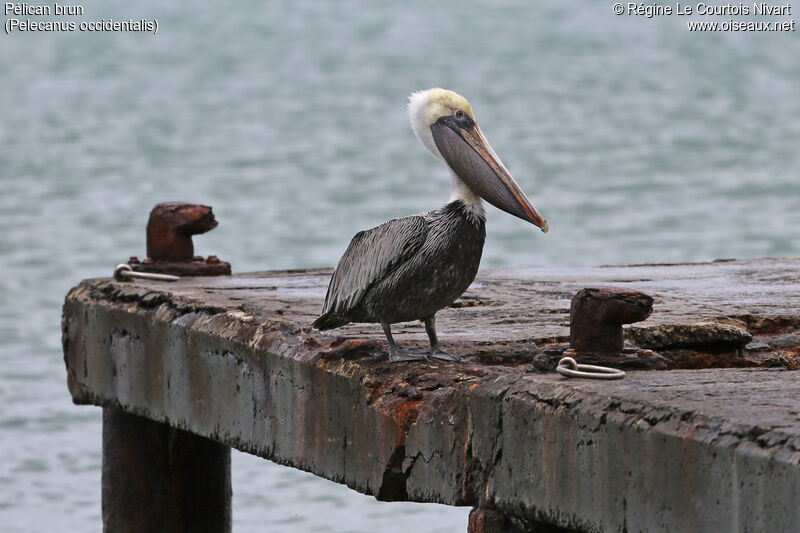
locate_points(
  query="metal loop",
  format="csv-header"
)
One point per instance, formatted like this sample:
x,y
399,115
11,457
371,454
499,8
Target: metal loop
x,y
124,271
569,367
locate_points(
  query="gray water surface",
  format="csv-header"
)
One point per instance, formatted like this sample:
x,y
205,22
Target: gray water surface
x,y
637,140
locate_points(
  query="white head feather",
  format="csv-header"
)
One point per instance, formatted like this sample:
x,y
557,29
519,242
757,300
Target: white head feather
x,y
425,108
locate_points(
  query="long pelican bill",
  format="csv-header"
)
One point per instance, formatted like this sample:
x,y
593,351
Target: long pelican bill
x,y
469,154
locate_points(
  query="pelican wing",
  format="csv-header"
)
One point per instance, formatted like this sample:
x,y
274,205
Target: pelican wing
x,y
371,256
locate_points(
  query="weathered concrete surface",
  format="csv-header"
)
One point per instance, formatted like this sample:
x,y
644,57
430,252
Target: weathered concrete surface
x,y
232,359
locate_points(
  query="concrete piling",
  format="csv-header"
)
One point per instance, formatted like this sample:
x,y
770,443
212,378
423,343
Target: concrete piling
x,y
161,479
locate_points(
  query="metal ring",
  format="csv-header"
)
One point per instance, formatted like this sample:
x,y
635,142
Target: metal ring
x,y
124,271
586,371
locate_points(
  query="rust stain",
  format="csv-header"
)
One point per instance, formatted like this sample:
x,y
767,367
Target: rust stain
x,y
301,414
688,471
346,348
406,414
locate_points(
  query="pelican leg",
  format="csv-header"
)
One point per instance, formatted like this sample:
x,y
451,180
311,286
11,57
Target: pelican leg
x,y
436,351
395,354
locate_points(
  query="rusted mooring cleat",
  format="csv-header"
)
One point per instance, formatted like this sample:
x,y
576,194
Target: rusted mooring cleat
x,y
170,249
596,316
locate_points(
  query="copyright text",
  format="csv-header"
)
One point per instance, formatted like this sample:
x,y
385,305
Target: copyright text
x,y
758,13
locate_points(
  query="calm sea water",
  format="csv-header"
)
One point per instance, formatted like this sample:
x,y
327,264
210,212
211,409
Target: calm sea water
x,y
637,140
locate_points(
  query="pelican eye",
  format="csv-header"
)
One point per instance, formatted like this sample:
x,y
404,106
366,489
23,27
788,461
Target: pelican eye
x,y
458,113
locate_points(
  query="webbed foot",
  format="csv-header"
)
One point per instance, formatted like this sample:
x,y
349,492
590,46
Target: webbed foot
x,y
444,356
436,352
396,356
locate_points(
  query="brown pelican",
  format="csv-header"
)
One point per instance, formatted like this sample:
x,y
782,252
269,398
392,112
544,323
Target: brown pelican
x,y
408,268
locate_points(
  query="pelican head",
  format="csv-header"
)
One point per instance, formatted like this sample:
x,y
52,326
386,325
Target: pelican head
x,y
445,123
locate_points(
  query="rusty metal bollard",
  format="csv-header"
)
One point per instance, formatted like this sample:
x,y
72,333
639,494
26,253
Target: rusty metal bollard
x,y
595,334
170,249
596,317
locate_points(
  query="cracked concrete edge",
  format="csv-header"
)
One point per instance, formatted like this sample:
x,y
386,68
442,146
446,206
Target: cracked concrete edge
x,y
549,453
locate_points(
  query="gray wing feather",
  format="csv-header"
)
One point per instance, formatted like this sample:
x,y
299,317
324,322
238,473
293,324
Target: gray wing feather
x,y
371,256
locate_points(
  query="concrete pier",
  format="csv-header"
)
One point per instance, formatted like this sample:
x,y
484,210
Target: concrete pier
x,y
233,361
